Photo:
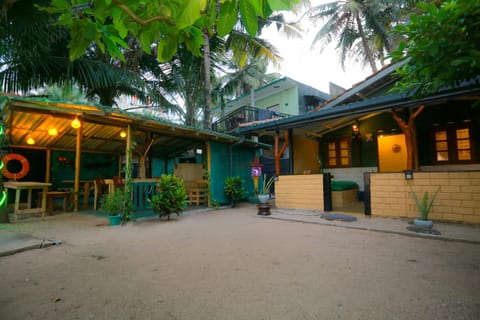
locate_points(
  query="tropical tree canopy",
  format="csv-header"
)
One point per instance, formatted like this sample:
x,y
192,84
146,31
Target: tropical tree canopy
x,y
34,54
443,47
361,29
157,25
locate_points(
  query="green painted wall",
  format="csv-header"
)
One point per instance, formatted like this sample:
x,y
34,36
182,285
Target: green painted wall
x,y
286,99
92,165
364,150
444,116
228,161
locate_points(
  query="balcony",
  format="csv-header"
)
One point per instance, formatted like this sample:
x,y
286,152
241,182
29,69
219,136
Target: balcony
x,y
244,115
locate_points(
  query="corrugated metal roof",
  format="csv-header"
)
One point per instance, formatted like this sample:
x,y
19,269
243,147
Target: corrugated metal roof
x,y
33,118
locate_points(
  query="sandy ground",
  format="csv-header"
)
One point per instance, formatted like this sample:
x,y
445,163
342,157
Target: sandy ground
x,y
230,264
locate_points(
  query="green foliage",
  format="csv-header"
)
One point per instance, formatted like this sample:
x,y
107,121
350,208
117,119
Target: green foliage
x,y
443,47
266,184
166,23
425,205
116,203
171,196
234,189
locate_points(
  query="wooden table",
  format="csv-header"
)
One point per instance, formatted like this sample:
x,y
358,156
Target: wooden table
x,y
18,186
86,189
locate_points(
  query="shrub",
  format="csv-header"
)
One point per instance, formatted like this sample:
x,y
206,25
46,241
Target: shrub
x,y
234,190
171,196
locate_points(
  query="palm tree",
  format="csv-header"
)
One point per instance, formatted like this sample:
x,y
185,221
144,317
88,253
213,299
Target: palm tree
x,y
361,28
239,47
344,24
34,53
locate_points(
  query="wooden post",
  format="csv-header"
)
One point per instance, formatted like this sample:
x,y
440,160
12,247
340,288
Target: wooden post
x,y
128,154
142,167
48,166
78,154
279,153
209,169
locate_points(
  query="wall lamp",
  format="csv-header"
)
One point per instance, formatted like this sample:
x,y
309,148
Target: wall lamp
x,y
408,174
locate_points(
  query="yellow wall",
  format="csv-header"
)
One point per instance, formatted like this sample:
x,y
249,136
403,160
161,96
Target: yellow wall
x,y
458,199
299,192
390,161
305,155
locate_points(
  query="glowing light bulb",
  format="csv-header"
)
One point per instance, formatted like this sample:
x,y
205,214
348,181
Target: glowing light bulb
x,y
76,123
30,141
123,134
52,131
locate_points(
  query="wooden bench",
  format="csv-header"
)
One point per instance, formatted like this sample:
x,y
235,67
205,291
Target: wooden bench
x,y
51,196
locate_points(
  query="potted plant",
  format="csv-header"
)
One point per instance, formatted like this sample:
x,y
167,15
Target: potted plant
x,y
234,189
114,205
424,207
264,192
171,196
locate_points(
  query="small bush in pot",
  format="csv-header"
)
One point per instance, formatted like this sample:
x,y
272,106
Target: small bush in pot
x,y
116,205
171,196
264,192
424,206
234,190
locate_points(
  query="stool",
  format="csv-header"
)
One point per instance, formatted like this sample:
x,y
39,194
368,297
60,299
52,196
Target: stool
x,y
51,196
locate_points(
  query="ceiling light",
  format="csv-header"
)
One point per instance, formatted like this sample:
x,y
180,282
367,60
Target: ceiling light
x,y
76,123
30,141
52,131
123,134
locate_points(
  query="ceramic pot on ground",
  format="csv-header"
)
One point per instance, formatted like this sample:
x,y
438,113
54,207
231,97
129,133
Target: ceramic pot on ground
x,y
423,223
263,198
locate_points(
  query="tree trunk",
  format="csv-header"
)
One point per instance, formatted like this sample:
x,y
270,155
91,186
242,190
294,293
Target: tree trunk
x,y
366,47
207,89
408,130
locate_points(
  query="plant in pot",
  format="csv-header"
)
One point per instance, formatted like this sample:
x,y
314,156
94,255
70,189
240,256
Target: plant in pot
x,y
264,192
234,190
171,196
424,207
115,205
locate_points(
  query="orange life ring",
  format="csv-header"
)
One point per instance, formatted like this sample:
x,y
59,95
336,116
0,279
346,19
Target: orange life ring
x,y
19,175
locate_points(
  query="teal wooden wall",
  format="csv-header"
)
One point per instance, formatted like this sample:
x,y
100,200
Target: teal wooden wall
x,y
229,160
92,165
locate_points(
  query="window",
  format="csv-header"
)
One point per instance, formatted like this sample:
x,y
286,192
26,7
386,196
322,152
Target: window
x,y
339,153
453,145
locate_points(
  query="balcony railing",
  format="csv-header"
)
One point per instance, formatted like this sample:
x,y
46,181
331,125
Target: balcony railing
x,y
242,115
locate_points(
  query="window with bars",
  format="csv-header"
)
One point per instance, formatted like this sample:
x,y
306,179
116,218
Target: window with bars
x,y
339,154
453,145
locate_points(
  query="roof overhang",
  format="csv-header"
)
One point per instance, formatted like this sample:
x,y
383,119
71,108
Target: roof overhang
x,y
33,117
324,120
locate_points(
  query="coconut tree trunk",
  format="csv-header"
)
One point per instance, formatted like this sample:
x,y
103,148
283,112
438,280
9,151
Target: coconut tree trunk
x,y
368,51
207,89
